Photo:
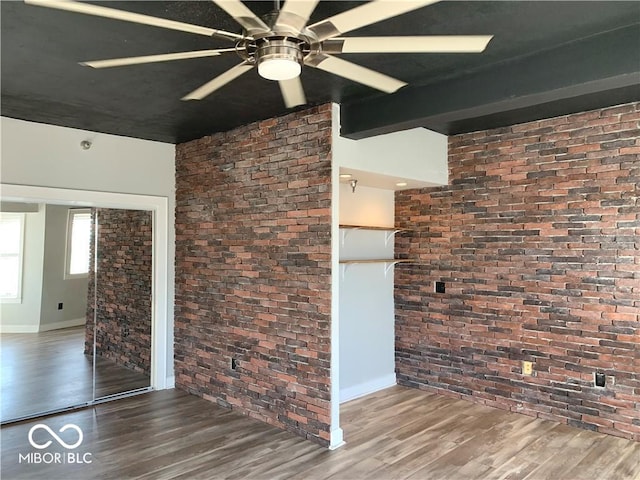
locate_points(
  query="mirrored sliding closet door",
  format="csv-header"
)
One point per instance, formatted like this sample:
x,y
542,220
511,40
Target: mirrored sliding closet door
x,y
75,292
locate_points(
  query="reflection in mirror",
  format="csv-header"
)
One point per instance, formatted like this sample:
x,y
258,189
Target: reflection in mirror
x,y
46,321
43,367
120,300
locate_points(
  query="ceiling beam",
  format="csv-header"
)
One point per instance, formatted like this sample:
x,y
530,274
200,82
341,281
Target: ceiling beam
x,y
594,72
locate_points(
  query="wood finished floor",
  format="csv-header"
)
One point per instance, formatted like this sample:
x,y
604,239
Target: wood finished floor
x,y
398,433
49,370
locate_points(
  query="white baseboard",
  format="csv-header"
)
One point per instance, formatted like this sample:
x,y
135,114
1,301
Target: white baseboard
x,y
18,328
76,322
362,389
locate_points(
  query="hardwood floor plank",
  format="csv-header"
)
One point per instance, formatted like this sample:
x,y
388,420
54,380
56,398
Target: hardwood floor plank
x,y
361,468
512,469
518,444
325,466
275,468
418,459
399,433
573,449
599,462
628,464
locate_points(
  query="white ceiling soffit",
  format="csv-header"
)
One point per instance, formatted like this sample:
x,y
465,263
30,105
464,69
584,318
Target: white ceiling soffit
x,y
386,182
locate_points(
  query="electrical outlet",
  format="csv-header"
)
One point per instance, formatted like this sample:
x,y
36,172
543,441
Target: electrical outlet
x,y
234,364
527,368
440,287
60,306
600,379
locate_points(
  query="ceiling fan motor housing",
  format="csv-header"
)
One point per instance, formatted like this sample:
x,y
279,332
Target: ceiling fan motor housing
x,y
278,58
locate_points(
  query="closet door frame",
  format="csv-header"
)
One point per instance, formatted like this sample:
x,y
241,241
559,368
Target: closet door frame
x,y
161,351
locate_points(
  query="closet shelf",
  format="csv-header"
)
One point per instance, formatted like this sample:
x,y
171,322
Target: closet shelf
x,y
390,262
367,227
378,260
391,231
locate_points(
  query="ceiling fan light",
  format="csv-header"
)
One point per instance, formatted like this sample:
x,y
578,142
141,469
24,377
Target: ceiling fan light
x,y
279,59
279,68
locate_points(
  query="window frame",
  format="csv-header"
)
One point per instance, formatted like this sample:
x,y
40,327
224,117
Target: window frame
x,y
67,253
22,220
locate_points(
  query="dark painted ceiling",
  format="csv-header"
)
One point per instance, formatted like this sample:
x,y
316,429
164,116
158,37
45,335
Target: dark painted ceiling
x,y
547,58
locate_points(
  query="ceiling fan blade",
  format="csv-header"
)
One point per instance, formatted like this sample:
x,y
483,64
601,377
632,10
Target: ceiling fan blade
x,y
166,57
367,14
292,92
241,14
99,11
220,81
424,44
354,72
295,14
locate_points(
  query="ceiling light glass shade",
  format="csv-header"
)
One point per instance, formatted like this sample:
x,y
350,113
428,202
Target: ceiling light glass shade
x,y
279,59
279,68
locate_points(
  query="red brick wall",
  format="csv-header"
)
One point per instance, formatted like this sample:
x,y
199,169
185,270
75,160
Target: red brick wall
x,y
253,270
123,285
538,240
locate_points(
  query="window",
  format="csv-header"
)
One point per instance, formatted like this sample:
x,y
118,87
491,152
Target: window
x,y
78,243
11,253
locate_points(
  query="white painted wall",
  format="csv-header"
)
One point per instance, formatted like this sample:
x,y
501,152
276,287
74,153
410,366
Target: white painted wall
x,y
367,350
366,206
417,154
25,316
49,156
72,293
366,306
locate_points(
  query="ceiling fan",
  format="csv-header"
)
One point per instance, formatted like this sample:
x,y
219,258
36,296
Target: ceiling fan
x,y
280,43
